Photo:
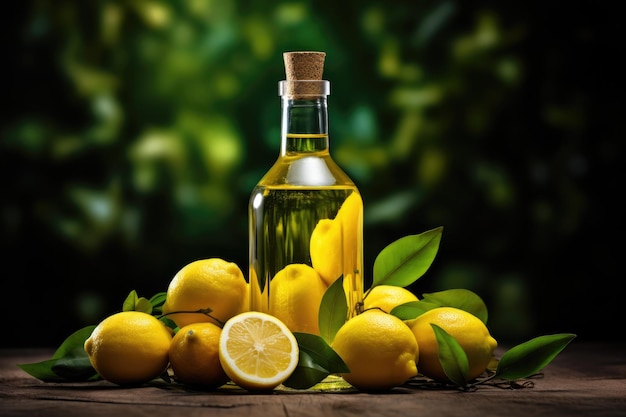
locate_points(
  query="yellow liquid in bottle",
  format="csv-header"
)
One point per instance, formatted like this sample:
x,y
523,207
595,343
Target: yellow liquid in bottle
x,y
286,206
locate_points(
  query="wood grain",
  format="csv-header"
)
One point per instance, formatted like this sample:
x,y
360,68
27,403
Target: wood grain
x,y
584,380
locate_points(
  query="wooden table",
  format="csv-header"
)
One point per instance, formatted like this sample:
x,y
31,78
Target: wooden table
x,y
586,379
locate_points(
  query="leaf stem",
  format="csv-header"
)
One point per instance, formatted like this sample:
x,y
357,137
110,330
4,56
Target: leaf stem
x,y
366,293
205,311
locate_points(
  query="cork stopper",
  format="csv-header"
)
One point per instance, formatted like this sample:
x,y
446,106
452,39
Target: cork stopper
x,y
303,72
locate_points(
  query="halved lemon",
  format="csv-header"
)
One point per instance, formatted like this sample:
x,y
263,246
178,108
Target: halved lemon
x,y
257,351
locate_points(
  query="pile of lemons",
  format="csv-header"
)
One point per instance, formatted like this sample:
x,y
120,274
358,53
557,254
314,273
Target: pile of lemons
x,y
255,350
258,351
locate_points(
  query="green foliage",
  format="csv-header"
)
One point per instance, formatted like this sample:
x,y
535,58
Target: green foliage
x,y
169,112
532,356
69,362
412,309
317,361
136,303
333,310
157,301
452,357
460,298
404,261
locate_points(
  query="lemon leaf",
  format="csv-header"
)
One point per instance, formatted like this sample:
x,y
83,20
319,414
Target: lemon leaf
x,y
306,374
135,303
405,260
74,368
130,301
460,298
169,323
317,360
412,309
530,357
333,310
42,370
157,301
452,357
74,343
67,363
143,305
321,352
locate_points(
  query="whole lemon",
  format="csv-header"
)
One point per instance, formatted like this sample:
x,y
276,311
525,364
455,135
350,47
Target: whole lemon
x,y
386,297
471,333
194,355
378,348
350,215
246,299
296,293
212,283
326,251
130,347
335,245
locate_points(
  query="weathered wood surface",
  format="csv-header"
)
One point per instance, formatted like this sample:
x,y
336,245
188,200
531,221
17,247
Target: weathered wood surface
x,y
586,379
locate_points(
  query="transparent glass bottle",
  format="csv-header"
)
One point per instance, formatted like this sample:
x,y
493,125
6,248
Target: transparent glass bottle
x,y
304,190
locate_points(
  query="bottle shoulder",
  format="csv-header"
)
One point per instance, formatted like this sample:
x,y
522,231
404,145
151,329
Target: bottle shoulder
x,y
306,170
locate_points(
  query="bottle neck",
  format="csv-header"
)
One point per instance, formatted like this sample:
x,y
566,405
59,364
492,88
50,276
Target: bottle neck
x,y
304,127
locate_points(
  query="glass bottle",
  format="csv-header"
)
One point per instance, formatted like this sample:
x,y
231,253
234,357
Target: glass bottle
x,y
305,210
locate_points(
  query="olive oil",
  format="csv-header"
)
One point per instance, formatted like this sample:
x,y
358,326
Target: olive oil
x,y
284,219
305,209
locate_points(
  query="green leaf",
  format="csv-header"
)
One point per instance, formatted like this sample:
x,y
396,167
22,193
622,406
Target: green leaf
x,y
402,262
68,363
306,374
74,343
452,357
333,310
42,370
459,298
532,356
317,361
157,301
74,368
169,323
143,305
135,303
412,309
130,301
321,352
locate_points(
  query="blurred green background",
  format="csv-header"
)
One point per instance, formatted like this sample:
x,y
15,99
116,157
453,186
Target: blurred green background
x,y
134,131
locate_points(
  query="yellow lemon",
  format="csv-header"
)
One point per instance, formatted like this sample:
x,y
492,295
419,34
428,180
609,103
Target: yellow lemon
x,y
246,299
467,329
130,347
257,351
326,251
335,245
350,216
194,355
212,283
386,297
378,348
296,293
